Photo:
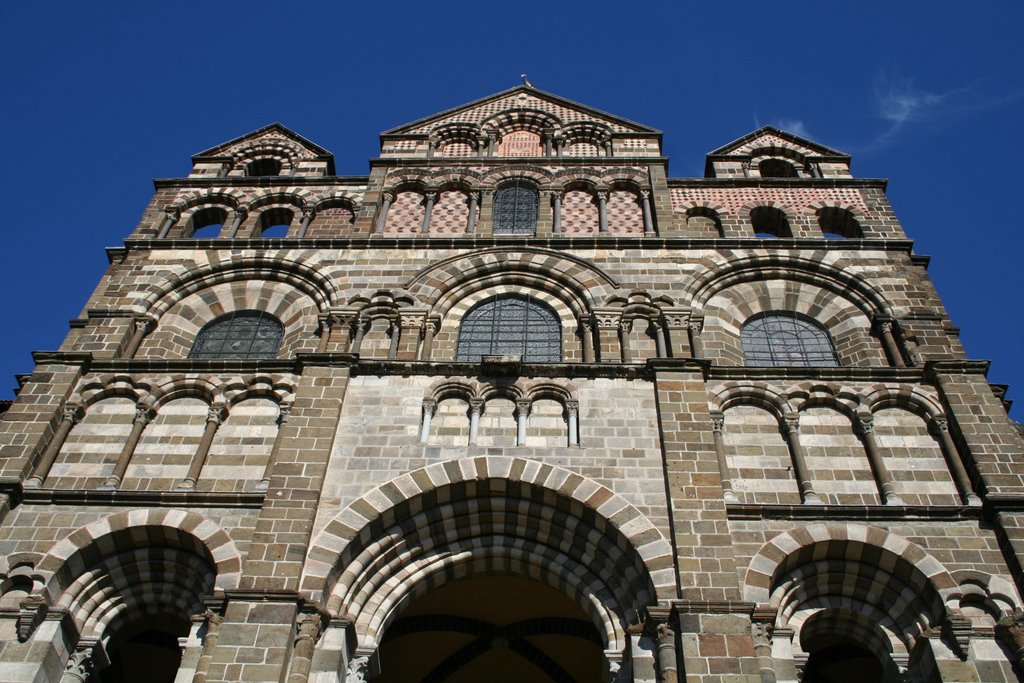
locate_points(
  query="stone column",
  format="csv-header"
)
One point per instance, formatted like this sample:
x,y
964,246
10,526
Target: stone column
x,y
491,140
866,427
761,635
385,206
668,671
309,628
429,197
85,661
587,340
142,327
143,415
1010,630
358,332
572,412
522,413
548,142
213,624
602,211
892,349
940,425
171,216
431,147
326,323
240,214
70,416
396,337
645,205
214,417
694,325
481,147
411,325
474,207
675,321
308,214
556,211
659,338
476,409
791,428
718,428
429,405
431,327
559,146
625,327
284,410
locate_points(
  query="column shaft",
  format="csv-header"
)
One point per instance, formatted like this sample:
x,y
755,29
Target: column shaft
x,y
213,420
142,418
282,420
956,465
796,452
72,413
602,212
883,479
428,413
718,427
428,208
382,217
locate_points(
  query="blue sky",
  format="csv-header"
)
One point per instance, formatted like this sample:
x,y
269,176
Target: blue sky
x,y
101,98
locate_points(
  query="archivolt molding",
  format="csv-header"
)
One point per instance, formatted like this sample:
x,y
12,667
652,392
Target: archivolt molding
x,y
509,120
904,579
812,209
522,388
353,200
849,400
451,519
783,267
228,197
61,570
494,177
160,298
575,280
154,392
297,197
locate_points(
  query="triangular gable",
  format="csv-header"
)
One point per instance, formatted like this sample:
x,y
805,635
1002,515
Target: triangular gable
x,y
770,136
521,97
274,130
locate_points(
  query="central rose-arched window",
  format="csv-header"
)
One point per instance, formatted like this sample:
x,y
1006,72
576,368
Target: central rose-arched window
x,y
241,334
515,208
785,338
511,324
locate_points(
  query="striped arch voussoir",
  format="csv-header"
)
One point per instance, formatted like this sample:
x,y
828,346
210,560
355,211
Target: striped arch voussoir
x,y
125,531
787,550
330,548
160,298
760,394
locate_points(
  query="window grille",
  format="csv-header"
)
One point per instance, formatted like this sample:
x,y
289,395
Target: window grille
x,y
515,208
782,338
242,334
511,324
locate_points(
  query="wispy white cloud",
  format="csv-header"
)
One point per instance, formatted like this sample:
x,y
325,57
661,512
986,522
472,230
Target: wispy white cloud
x,y
906,107
795,126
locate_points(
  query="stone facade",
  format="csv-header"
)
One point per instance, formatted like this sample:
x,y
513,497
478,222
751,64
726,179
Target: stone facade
x,y
365,503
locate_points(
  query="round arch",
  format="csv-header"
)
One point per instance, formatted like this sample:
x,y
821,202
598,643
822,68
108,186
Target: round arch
x,y
489,515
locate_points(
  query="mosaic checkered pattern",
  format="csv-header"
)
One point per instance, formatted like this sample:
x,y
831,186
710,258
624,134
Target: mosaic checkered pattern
x,y
450,214
625,215
579,213
406,214
457,149
520,143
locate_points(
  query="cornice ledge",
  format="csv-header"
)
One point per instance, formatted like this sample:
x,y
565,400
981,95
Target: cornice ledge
x,y
880,183
176,499
934,368
685,606
466,369
860,374
853,512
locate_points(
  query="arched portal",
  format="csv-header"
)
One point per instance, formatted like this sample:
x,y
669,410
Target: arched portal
x,y
503,629
492,520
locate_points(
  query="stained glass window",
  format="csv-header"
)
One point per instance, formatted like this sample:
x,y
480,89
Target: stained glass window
x,y
511,324
782,338
242,334
515,208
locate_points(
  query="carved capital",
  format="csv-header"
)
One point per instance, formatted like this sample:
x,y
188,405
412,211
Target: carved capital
x,y
429,406
791,424
308,212
358,669
523,407
31,612
241,212
476,406
217,413
718,422
866,424
695,325
645,194
572,407
387,196
940,423
761,634
144,324
284,411
143,414
602,195
1010,629
72,412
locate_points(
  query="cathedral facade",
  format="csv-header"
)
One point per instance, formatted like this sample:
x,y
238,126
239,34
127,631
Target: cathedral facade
x,y
515,406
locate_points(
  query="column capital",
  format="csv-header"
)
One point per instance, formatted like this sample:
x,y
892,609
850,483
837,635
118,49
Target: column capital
x,y
645,194
523,406
388,195
72,412
429,405
718,422
761,632
143,414
602,195
284,411
476,405
695,324
172,212
866,423
940,423
241,212
144,323
217,412
572,407
608,320
308,212
791,423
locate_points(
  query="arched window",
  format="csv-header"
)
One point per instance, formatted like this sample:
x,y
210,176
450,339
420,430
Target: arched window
x,y
515,208
207,223
263,167
511,324
776,168
838,223
770,222
784,338
242,334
